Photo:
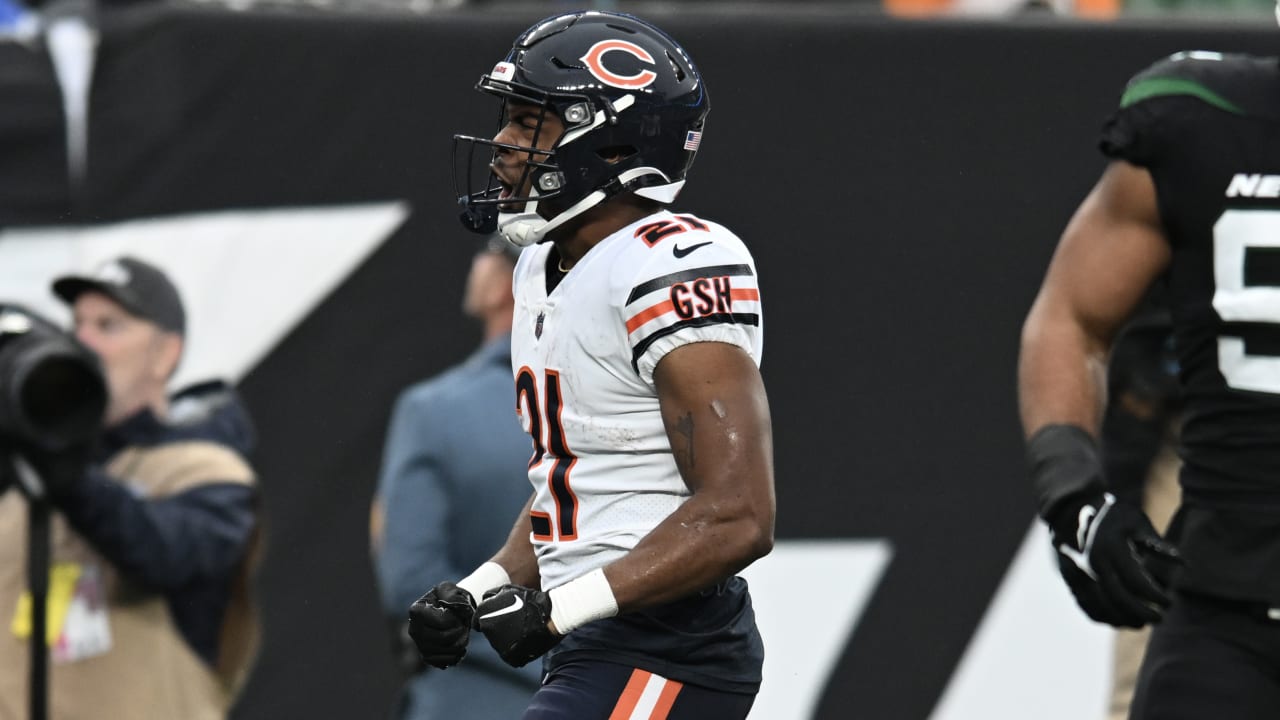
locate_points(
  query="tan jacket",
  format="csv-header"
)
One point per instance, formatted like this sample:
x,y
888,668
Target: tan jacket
x,y
149,671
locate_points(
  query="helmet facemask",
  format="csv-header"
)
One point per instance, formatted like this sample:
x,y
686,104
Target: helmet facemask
x,y
596,168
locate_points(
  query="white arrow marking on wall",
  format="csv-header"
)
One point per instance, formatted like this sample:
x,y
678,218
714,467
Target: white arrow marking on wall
x,y
799,580
247,277
1033,645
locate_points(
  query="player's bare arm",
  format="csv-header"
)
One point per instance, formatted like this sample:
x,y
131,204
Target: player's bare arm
x,y
1111,251
717,418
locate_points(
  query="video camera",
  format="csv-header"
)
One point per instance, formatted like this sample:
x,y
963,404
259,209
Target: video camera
x,y
52,399
52,390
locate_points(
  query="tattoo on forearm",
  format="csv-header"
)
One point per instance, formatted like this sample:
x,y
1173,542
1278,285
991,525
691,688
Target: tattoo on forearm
x,y
684,455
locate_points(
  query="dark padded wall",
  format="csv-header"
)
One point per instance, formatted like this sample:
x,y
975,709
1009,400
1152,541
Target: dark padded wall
x,y
901,185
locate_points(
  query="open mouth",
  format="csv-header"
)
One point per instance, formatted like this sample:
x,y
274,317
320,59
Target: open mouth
x,y
505,196
503,178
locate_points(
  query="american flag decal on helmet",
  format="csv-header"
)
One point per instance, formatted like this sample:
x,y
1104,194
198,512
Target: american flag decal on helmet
x,y
692,139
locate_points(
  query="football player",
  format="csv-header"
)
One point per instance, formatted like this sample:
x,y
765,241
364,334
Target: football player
x,y
1190,198
635,351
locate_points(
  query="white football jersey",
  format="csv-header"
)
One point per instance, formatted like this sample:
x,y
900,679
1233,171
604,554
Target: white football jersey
x,y
583,357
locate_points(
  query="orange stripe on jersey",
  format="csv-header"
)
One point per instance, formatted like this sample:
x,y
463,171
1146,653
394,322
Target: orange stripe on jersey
x,y
645,316
666,700
744,294
630,695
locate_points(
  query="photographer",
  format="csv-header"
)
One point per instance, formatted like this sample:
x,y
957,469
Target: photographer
x,y
154,533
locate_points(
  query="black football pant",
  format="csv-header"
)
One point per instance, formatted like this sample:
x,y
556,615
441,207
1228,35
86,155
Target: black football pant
x,y
592,690
1210,659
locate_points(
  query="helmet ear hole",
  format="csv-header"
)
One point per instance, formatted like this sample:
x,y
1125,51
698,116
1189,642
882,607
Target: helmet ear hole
x,y
615,154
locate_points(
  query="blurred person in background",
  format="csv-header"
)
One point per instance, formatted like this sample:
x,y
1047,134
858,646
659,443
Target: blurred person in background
x,y
1097,9
1139,453
454,472
11,13
1201,9
635,349
1192,193
1092,9
154,535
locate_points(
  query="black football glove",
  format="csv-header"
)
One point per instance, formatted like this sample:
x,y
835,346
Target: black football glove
x,y
440,624
403,650
516,620
1116,565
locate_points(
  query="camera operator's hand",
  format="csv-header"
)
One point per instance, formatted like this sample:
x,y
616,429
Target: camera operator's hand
x,y
6,468
60,471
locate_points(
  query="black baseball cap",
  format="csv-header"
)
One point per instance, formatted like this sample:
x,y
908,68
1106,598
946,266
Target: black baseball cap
x,y
142,289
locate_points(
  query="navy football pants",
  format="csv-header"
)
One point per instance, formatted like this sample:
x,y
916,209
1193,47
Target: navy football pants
x,y
593,690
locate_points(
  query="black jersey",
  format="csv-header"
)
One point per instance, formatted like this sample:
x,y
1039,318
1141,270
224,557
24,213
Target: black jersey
x,y
1207,128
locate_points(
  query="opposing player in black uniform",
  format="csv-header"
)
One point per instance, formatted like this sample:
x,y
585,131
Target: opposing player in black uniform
x,y
1191,198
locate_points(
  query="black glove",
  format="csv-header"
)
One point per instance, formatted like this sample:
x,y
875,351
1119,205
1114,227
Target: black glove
x,y
516,620
440,624
61,471
1116,565
7,473
403,650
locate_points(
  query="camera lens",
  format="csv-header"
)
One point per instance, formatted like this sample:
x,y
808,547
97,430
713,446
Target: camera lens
x,y
52,394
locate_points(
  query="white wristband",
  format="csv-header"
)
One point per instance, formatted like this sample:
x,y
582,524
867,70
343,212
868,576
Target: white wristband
x,y
485,578
582,600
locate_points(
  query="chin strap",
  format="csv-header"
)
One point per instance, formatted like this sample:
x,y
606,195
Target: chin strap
x,y
528,228
521,229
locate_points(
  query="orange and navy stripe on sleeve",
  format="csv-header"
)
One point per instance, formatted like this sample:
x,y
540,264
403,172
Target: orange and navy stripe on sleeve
x,y
696,297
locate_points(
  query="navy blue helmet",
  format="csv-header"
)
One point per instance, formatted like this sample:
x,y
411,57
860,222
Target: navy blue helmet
x,y
633,106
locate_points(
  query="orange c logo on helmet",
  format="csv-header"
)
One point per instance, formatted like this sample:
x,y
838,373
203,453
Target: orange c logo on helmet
x,y
595,63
